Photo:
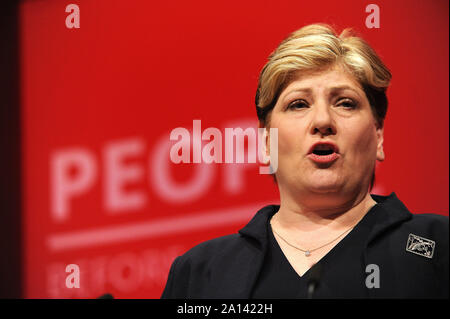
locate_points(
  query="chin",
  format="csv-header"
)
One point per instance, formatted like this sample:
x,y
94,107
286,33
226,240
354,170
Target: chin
x,y
324,188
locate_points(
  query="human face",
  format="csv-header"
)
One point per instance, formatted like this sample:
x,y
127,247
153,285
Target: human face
x,y
325,106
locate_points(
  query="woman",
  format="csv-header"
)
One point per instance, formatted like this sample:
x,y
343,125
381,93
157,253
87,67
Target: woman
x,y
329,238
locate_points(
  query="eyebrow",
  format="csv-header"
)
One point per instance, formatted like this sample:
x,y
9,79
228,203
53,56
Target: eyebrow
x,y
344,87
332,89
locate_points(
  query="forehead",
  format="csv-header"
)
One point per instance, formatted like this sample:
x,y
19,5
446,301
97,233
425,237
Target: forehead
x,y
324,79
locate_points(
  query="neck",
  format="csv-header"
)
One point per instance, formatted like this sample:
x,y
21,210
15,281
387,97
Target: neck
x,y
326,212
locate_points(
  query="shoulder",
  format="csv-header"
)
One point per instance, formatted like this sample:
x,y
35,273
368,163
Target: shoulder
x,y
433,225
214,250
248,241
221,261
205,263
212,246
394,215
412,251
431,219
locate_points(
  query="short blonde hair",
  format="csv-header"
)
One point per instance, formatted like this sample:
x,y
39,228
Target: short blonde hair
x,y
315,47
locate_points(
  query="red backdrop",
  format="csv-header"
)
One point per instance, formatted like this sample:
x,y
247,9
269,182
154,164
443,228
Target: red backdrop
x,y
99,102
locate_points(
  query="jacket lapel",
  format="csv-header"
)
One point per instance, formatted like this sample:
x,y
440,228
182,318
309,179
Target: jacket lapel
x,y
391,212
245,265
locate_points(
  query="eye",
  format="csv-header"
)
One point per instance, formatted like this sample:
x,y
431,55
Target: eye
x,y
297,104
347,103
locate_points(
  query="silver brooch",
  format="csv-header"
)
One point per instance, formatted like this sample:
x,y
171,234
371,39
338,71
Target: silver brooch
x,y
420,246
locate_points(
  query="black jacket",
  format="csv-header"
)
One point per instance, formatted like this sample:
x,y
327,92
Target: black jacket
x,y
228,267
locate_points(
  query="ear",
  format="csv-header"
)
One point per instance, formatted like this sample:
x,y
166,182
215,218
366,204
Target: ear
x,y
380,139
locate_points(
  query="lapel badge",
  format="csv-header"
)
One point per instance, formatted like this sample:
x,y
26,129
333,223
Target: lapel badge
x,y
420,246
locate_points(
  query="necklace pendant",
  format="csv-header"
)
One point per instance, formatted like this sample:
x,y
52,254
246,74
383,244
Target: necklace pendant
x,y
307,253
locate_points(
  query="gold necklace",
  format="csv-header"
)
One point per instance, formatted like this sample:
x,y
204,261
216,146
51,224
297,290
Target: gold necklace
x,y
309,251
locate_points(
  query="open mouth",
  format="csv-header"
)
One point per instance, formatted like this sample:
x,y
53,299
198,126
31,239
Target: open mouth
x,y
324,153
323,149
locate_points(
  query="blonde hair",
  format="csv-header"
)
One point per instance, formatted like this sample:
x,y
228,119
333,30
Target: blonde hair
x,y
315,47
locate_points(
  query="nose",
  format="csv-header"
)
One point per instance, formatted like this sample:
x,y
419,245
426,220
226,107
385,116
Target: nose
x,y
322,122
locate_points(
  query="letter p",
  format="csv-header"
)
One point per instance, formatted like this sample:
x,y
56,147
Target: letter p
x,y
64,186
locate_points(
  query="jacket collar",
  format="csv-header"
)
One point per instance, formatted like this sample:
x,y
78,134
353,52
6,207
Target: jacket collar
x,y
390,212
389,209
257,227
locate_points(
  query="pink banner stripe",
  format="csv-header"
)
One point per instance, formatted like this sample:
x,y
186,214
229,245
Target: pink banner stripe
x,y
155,228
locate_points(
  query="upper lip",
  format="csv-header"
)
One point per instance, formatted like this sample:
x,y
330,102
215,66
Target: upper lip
x,y
331,144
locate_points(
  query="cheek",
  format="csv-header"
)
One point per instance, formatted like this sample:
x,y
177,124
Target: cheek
x,y
290,137
362,141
